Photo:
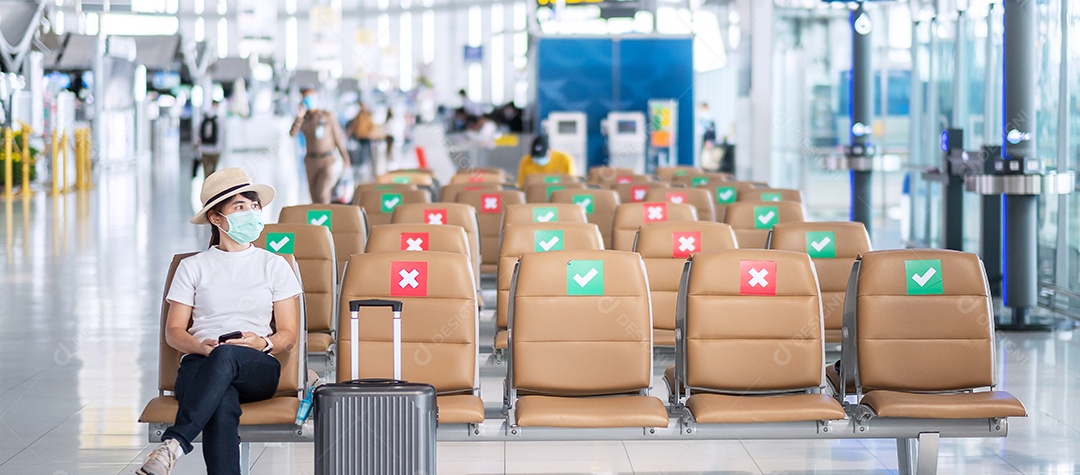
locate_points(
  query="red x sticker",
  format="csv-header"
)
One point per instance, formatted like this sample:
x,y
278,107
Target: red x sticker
x,y
414,242
685,243
408,279
654,212
623,179
435,216
637,193
476,178
676,197
491,203
757,277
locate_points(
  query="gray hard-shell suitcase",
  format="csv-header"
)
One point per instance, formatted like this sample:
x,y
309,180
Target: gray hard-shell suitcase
x,y
375,426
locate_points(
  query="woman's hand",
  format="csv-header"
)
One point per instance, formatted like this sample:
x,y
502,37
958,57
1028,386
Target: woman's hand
x,y
206,346
249,340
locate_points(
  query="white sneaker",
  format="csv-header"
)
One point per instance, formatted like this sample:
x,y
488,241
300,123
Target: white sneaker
x,y
162,459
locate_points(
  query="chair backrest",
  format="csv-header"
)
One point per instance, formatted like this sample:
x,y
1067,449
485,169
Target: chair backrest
x,y
313,248
573,331
771,194
696,180
725,193
293,362
635,192
403,177
604,175
419,237
833,246
628,180
667,174
664,247
438,318
752,220
380,205
921,320
599,206
524,238
454,214
630,216
543,213
700,198
449,193
490,206
364,187
347,224
551,178
480,175
751,323
541,192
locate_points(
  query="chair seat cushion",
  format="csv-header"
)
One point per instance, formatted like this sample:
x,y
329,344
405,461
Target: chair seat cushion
x,y
319,342
944,406
734,409
502,340
591,412
460,409
273,411
663,337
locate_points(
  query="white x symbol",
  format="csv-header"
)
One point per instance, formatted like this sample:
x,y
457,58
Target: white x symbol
x,y
757,277
639,194
435,218
414,244
408,278
491,203
677,199
686,244
656,212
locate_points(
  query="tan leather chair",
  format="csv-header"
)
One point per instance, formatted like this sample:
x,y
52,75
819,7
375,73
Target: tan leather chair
x,y
920,340
541,192
707,179
771,194
379,205
581,360
635,192
667,174
700,198
364,187
419,237
449,193
599,206
481,175
279,410
454,214
752,220
664,247
725,193
751,349
634,179
438,326
543,213
402,177
550,178
833,246
347,224
630,216
313,248
523,238
604,175
490,206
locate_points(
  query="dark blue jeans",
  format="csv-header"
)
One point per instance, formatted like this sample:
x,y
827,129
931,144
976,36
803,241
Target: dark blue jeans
x,y
210,390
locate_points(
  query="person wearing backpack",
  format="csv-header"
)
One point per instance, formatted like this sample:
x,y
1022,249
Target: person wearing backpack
x,y
208,142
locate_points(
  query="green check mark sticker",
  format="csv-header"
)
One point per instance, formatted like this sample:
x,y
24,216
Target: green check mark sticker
x,y
765,217
281,243
402,180
390,201
924,277
772,197
585,278
698,181
821,244
545,215
551,189
585,201
726,195
547,240
552,179
320,217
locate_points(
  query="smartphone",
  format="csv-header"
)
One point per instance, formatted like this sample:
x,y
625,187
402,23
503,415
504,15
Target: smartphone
x,y
230,336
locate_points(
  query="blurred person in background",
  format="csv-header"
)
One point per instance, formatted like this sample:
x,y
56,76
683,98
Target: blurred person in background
x,y
325,143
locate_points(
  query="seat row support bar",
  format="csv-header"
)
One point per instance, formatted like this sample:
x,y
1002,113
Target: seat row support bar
x,y
918,456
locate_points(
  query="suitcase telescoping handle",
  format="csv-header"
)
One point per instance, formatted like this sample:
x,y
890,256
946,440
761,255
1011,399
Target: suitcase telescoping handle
x,y
354,324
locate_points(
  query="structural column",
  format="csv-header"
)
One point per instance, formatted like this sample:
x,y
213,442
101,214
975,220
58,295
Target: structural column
x,y
861,151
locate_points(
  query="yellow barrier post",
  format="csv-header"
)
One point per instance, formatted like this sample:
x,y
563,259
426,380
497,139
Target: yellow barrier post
x,y
64,159
87,155
78,159
55,172
9,174
25,190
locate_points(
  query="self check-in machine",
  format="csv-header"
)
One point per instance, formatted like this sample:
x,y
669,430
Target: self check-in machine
x,y
568,133
625,133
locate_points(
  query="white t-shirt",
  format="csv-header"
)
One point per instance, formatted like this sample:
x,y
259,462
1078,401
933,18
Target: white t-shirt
x,y
232,291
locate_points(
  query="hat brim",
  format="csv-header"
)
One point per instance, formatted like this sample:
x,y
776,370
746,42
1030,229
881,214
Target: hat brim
x,y
265,192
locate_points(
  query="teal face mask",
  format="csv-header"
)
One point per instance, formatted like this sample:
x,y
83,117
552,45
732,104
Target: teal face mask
x,y
245,226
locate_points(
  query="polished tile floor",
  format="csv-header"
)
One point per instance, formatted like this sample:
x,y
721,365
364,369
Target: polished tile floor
x,y
79,301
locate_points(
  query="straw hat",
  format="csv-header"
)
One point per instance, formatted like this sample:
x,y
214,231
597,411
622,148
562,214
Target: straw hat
x,y
225,183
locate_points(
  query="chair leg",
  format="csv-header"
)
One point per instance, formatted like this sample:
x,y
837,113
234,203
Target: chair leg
x,y
245,458
928,454
906,453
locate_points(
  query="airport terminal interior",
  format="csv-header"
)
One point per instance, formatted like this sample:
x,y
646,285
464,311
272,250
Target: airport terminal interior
x,y
843,236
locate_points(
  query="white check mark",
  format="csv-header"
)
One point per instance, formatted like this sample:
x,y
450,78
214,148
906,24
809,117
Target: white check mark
x,y
550,243
819,245
584,280
321,219
922,279
279,244
391,203
726,195
545,217
765,218
585,202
